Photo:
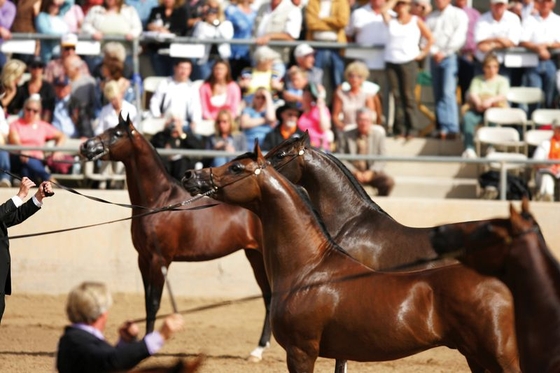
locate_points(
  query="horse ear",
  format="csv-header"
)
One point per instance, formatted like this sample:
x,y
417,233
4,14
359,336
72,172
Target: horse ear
x,y
121,119
257,150
525,205
515,217
305,137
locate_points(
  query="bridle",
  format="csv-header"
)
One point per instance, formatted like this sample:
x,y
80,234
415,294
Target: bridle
x,y
214,188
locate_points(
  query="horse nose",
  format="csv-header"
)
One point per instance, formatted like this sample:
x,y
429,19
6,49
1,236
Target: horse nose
x,y
188,175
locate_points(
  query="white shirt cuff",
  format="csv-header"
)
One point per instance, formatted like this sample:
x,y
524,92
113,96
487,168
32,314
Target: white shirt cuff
x,y
36,202
17,201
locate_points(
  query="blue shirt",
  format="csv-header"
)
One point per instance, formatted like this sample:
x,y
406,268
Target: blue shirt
x,y
143,8
242,29
61,118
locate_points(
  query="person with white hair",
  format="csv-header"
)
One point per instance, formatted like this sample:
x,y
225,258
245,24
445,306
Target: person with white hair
x,y
83,348
262,74
55,67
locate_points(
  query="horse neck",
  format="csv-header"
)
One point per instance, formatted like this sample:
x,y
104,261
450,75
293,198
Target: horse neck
x,y
146,177
533,276
295,241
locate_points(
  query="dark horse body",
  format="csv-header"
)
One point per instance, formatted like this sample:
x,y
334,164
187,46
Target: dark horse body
x,y
371,236
514,251
325,303
170,236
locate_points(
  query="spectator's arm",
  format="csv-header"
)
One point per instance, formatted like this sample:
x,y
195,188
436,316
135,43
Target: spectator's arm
x,y
312,20
336,110
428,37
341,16
205,96
385,9
157,98
135,22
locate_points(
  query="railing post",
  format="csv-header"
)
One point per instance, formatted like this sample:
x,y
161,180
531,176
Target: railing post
x,y
503,181
137,80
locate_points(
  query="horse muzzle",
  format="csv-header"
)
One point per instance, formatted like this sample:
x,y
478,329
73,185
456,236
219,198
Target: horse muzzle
x,y
92,149
195,183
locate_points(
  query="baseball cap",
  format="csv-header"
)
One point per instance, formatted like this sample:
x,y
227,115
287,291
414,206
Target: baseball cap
x,y
498,1
303,50
61,81
69,40
36,62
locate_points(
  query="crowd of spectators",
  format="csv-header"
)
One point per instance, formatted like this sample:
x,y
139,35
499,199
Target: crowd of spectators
x,y
328,86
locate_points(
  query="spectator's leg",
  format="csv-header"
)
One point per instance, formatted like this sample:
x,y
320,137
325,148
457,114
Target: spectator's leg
x,y
380,78
5,178
408,75
532,78
545,185
445,87
549,82
37,171
393,72
466,74
383,183
337,67
2,60
470,122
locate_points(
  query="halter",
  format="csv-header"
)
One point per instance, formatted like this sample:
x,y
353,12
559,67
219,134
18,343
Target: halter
x,y
214,188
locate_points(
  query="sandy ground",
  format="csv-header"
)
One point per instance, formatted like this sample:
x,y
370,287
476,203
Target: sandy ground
x,y
32,325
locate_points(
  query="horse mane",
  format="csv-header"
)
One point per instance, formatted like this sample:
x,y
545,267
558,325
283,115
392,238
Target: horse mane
x,y
357,186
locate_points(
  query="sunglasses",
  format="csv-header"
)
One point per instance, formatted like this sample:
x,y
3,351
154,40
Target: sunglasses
x,y
69,48
403,2
292,114
259,97
31,110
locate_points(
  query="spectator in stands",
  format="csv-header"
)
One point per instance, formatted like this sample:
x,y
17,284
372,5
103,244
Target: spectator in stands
x,y
293,92
278,20
113,18
167,18
144,9
347,102
528,9
84,87
548,175
258,118
70,116
176,95
11,77
87,309
450,24
74,18
305,60
36,84
30,130
366,27
55,67
242,17
5,178
112,69
88,4
113,50
401,55
486,91
7,16
466,54
316,118
219,91
195,11
174,137
50,21
262,75
368,139
421,8
496,29
24,22
541,34
288,115
213,26
226,137
326,20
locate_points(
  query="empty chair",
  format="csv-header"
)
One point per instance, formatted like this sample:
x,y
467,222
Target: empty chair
x,y
536,137
500,138
525,95
505,116
545,117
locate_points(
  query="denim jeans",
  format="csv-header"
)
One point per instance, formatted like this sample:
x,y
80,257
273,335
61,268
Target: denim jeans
x,y
331,61
444,86
542,76
34,169
5,165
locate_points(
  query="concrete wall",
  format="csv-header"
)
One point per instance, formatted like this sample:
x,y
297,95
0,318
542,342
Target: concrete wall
x,y
54,263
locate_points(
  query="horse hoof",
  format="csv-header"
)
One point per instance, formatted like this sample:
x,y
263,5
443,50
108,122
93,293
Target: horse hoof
x,y
254,359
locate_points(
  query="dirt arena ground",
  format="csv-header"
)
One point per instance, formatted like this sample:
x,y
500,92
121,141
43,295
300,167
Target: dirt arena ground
x,y
32,325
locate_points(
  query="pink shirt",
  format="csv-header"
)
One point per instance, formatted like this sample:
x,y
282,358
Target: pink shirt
x,y
310,121
36,134
233,98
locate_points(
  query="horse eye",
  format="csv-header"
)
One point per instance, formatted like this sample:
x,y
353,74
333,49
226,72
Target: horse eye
x,y
118,133
281,155
236,168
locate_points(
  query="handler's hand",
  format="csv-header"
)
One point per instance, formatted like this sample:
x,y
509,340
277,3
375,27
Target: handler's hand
x,y
172,323
24,187
129,331
45,190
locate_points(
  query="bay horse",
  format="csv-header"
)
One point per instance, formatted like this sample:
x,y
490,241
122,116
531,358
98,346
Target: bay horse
x,y
368,233
514,250
182,366
170,236
372,316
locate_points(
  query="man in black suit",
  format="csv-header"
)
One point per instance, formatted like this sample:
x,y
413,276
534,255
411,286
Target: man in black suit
x,y
13,212
83,349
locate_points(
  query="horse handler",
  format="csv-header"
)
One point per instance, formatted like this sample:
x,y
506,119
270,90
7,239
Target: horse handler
x,y
13,212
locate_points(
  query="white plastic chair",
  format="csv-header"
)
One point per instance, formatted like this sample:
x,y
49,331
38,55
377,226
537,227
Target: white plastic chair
x,y
506,116
536,137
542,117
502,138
525,95
149,85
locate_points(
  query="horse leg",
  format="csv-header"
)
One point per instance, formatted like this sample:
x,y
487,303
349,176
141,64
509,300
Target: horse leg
x,y
475,367
300,361
152,279
257,264
340,366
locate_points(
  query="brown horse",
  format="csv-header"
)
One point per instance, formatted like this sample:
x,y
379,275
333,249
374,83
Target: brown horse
x,y
182,366
325,303
365,231
514,251
170,236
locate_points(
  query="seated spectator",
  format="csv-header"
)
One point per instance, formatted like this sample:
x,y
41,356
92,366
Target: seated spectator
x,y
226,138
74,18
348,100
219,92
305,59
88,4
262,75
368,139
84,87
167,18
113,50
87,309
287,128
36,84
173,137
50,21
212,26
486,91
70,116
294,91
316,118
143,8
5,178
55,67
242,16
7,16
112,69
258,119
30,130
176,95
11,77
548,175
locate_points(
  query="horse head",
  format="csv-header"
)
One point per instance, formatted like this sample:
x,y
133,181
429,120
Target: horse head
x,y
287,157
111,144
484,245
234,182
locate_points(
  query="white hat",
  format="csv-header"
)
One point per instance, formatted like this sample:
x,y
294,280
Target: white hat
x,y
498,1
303,50
69,40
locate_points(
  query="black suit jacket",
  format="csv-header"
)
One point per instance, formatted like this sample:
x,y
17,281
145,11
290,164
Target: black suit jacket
x,y
10,215
82,352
